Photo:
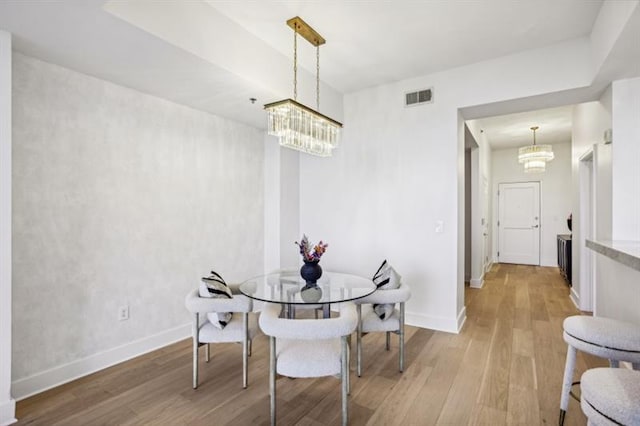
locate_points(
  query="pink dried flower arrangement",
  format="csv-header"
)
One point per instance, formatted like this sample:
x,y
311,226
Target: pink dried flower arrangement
x,y
308,254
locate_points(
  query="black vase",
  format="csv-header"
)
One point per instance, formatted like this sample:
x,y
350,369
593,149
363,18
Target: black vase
x,y
311,272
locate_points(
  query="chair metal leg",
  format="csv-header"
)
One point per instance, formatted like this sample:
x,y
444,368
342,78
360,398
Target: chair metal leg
x,y
388,344
250,346
326,310
566,383
359,342
401,337
245,350
207,354
345,384
272,379
196,331
349,365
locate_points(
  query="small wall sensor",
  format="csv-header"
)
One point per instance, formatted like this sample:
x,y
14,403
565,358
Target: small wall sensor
x,y
608,136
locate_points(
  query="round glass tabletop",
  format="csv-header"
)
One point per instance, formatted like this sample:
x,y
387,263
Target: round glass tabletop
x,y
288,287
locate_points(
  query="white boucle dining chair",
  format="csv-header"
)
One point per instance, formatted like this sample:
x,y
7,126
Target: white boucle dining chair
x,y
241,329
368,320
302,348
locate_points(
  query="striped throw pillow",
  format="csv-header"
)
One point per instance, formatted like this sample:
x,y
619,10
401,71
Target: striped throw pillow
x,y
385,278
215,287
383,311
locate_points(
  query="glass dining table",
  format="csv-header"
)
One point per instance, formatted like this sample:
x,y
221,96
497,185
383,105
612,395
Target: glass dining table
x,y
289,289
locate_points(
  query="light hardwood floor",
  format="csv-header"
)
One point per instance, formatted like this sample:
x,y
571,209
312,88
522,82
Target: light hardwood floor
x,y
505,367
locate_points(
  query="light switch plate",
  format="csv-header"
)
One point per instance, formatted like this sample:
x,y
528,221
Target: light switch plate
x,y
439,226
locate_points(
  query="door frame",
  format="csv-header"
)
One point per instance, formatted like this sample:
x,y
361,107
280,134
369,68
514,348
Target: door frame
x,y
587,173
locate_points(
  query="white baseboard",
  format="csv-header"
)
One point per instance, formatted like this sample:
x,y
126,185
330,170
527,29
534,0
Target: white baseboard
x,y
476,282
462,317
28,386
575,298
8,412
449,325
488,266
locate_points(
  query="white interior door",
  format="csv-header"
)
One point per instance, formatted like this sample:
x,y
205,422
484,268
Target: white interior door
x,y
519,223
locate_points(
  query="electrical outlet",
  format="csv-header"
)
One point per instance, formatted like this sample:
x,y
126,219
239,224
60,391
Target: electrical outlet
x,y
439,226
123,313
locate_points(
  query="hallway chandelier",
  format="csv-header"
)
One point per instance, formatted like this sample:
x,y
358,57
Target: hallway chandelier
x,y
296,125
535,157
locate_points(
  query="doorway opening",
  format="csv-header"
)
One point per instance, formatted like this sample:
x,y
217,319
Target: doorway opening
x,y
474,219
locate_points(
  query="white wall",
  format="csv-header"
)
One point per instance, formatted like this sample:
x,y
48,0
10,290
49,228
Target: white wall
x,y
626,158
7,404
467,214
400,170
486,182
282,205
617,288
272,172
119,198
555,194
604,170
458,294
481,206
290,185
589,121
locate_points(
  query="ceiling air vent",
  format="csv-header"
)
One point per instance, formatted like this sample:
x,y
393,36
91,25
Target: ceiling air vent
x,y
419,97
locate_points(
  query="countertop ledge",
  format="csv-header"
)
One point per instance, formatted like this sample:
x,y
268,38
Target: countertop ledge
x,y
625,252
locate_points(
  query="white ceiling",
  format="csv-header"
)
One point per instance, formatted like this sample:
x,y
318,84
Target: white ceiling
x,y
368,43
374,42
514,130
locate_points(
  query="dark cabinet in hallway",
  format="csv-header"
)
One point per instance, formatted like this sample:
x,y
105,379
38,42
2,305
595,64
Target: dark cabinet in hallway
x,y
564,256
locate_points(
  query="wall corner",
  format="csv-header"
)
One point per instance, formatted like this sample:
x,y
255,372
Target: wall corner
x,y
7,403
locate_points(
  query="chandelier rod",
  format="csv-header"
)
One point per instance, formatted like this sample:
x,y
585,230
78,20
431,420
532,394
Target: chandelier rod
x,y
295,63
308,33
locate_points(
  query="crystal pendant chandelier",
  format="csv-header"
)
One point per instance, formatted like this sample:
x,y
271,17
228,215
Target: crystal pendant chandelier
x,y
298,126
535,157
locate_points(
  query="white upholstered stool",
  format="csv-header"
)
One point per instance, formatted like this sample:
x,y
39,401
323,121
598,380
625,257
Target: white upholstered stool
x,y
611,396
603,337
